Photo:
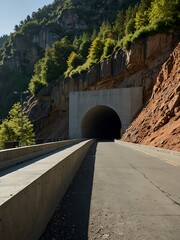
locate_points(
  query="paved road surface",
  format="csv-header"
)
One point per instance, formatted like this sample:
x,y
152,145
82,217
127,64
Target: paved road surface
x,y
121,192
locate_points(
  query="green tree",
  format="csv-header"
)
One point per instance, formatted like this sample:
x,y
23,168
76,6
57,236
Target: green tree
x,y
85,45
7,133
30,28
50,69
142,15
105,30
3,40
16,127
129,22
94,35
37,82
108,47
74,60
55,61
95,52
166,11
118,26
52,66
16,28
76,42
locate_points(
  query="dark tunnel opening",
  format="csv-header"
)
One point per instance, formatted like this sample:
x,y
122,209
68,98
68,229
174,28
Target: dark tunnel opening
x,y
101,122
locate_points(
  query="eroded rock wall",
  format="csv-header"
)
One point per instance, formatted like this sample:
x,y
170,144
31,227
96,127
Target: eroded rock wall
x,y
159,122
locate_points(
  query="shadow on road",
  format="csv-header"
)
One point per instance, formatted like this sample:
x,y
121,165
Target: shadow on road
x,y
71,218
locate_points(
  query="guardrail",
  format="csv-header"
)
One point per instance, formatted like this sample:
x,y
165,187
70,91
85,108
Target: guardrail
x,y
15,156
30,195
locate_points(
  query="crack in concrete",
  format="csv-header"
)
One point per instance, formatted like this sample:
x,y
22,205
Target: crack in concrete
x,y
168,195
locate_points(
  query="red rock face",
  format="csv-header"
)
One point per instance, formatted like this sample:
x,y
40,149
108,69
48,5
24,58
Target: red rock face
x,y
159,122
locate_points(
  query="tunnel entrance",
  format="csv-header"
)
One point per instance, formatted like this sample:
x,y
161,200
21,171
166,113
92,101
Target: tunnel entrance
x,y
101,122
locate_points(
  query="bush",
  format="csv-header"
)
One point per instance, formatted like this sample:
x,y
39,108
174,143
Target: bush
x,y
74,60
11,130
36,85
74,73
95,52
126,41
108,48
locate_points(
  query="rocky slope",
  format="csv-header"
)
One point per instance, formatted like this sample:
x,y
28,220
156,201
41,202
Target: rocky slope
x,y
139,66
62,18
159,122
55,21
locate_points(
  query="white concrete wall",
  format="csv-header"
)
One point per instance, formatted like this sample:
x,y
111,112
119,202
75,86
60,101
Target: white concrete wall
x,y
14,156
29,196
124,101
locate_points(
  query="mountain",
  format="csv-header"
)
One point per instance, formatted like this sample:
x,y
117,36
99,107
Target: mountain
x,y
75,45
22,49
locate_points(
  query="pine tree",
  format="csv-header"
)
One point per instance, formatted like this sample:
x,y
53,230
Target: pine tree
x,y
95,51
74,60
129,22
16,127
142,15
105,30
76,42
118,27
166,11
108,47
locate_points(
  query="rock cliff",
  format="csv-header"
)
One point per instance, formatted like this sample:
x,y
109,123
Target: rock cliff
x,y
69,17
159,122
139,66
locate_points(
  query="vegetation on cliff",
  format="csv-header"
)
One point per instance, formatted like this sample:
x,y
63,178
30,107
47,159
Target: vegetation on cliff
x,y
67,37
139,20
27,45
3,40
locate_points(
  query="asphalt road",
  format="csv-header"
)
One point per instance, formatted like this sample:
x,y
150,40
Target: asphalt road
x,y
122,191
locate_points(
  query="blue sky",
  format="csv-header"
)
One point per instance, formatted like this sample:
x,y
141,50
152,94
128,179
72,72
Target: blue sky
x,y
13,11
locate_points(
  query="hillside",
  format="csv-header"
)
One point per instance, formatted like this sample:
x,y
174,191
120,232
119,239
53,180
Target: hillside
x,y
75,45
159,122
138,66
23,48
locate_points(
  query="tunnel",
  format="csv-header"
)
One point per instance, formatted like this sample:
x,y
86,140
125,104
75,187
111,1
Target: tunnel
x,y
101,122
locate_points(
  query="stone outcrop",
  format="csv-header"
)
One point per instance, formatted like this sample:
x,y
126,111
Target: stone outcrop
x,y
159,122
68,19
139,66
25,51
45,38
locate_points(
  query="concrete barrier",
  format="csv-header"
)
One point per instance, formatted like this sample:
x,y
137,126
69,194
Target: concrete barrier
x,y
10,157
156,149
29,196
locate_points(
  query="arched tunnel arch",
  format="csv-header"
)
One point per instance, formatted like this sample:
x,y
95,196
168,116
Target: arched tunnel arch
x,y
101,122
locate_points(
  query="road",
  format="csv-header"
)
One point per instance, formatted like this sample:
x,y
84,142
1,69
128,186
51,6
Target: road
x,y
122,191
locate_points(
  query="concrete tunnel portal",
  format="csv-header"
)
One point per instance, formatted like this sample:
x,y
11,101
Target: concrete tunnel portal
x,y
101,122
104,114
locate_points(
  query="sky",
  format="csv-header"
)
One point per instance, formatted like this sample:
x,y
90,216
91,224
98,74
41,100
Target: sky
x,y
13,11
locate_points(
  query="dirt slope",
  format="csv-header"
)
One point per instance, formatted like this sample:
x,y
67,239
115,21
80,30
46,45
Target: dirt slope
x,y
158,124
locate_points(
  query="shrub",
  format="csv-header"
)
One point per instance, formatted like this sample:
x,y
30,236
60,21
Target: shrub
x,y
108,48
95,52
36,85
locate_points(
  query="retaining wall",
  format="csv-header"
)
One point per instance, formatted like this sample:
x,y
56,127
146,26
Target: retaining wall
x,y
30,195
15,156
